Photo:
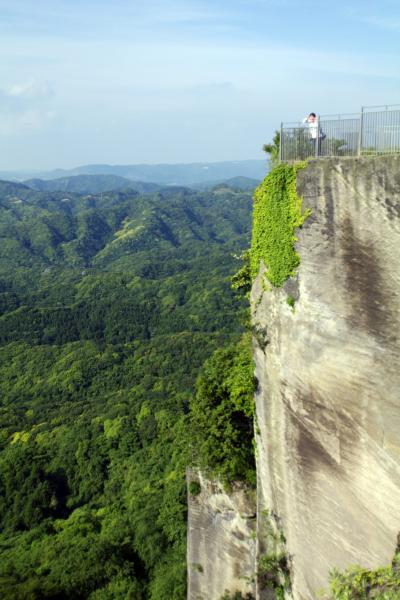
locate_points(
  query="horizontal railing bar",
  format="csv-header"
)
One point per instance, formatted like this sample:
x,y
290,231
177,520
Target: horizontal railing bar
x,y
385,106
340,116
348,117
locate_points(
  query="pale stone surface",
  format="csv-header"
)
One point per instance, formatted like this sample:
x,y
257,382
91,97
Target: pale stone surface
x,y
328,405
221,540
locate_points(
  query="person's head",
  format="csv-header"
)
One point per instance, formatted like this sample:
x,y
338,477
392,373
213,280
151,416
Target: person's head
x,y
312,117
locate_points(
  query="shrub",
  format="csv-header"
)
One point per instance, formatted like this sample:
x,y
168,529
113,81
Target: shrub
x,y
237,596
194,488
290,301
357,583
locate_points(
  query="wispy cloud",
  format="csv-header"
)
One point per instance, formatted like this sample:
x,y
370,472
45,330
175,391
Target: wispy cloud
x,y
31,89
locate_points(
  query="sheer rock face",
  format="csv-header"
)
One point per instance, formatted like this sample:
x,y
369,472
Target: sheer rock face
x,y
221,540
328,405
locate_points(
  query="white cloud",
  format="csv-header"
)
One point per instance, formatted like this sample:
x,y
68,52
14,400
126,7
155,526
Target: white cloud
x,y
29,89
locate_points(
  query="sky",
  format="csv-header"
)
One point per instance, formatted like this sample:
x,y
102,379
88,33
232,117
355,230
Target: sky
x,y
167,81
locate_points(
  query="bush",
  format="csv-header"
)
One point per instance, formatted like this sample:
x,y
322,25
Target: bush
x,y
357,583
237,596
290,301
194,488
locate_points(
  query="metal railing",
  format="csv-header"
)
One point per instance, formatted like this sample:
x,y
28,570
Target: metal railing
x,y
375,130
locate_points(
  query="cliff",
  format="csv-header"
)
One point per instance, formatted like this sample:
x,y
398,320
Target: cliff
x,y
221,539
327,360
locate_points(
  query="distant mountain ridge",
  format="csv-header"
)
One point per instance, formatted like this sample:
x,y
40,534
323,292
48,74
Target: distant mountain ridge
x,y
165,174
97,184
90,184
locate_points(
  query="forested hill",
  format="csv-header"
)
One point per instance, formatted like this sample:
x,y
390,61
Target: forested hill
x,y
90,184
109,306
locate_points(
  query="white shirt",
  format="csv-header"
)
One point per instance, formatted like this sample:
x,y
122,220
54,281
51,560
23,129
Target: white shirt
x,y
312,127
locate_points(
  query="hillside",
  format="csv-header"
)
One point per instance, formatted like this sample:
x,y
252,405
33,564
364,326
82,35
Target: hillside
x,y
236,183
109,306
89,184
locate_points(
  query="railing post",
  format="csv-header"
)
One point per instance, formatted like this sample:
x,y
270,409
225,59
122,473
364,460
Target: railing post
x,y
281,144
360,132
317,140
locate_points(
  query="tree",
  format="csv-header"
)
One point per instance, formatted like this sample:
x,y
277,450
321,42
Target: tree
x,y
274,148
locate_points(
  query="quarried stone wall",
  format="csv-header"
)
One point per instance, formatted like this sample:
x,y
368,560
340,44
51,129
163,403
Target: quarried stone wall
x,y
221,539
328,405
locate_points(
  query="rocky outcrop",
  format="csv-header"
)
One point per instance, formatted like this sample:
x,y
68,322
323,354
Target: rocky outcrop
x,y
328,405
221,539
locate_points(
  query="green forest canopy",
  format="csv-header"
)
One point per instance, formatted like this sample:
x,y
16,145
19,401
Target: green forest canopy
x,y
109,306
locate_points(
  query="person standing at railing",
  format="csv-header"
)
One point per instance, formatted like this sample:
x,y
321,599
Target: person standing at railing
x,y
314,131
312,123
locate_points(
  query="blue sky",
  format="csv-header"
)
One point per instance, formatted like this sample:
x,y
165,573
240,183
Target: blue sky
x,y
153,81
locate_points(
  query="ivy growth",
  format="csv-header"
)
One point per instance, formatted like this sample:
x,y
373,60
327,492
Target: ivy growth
x,y
277,214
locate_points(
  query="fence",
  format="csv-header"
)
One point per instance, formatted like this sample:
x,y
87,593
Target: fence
x,y
375,130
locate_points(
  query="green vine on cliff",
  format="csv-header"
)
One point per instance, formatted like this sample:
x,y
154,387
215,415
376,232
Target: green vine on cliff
x,y
277,214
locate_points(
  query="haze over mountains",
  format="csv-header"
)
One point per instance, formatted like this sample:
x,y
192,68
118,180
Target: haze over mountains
x,y
97,184
90,184
166,174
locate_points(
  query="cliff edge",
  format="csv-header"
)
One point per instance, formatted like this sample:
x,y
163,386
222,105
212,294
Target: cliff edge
x,y
327,362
